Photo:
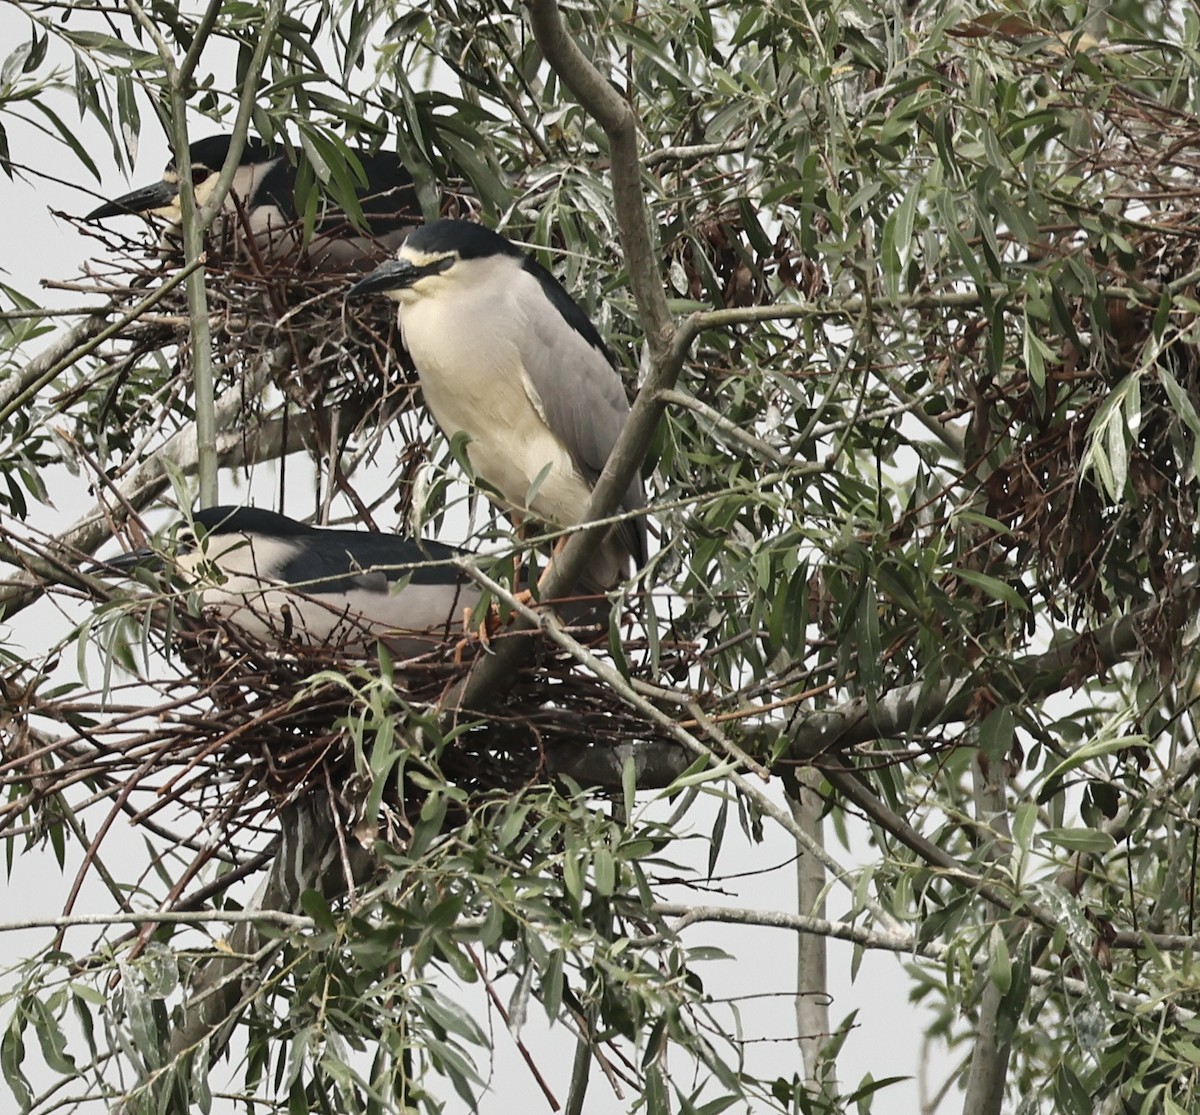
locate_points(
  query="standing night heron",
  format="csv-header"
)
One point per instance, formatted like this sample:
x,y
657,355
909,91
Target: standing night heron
x,y
263,196
506,356
284,581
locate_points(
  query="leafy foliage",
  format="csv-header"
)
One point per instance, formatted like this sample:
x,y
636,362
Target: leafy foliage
x,y
927,491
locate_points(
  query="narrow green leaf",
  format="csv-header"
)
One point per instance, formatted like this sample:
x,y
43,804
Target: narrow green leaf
x,y
12,1057
1079,840
993,587
604,871
316,906
1000,966
1096,749
996,733
573,862
552,985
629,785
870,650
1024,820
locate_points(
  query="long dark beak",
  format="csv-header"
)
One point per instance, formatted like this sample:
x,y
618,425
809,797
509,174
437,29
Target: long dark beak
x,y
124,564
143,200
395,274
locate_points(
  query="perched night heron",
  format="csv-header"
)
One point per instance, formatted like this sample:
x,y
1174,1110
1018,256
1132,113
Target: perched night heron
x,y
506,356
283,581
264,191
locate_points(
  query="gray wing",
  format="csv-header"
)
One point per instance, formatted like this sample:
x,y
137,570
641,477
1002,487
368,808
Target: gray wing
x,y
583,402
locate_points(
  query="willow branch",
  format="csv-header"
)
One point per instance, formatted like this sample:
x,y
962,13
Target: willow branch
x,y
889,941
920,706
602,102
309,858
165,917
150,477
812,968
615,115
910,708
993,1039
59,351
196,222
84,338
550,625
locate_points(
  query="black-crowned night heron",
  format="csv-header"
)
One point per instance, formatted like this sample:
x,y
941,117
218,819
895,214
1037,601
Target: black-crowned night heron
x,y
264,191
506,356
283,581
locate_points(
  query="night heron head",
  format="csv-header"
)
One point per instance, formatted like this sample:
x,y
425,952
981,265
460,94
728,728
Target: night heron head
x,y
506,357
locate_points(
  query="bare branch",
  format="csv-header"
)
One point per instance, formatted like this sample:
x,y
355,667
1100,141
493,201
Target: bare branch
x,y
887,941
84,338
812,975
165,917
614,114
196,222
150,476
993,1047
695,151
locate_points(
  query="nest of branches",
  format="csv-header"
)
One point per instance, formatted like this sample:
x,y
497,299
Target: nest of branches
x,y
228,730
1082,414
338,368
199,729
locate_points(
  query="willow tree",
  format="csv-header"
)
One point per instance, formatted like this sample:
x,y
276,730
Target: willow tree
x,y
907,296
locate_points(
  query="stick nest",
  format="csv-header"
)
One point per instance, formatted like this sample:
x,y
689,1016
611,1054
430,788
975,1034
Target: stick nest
x,y
332,373
213,730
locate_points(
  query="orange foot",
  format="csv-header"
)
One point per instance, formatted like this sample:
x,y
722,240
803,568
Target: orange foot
x,y
481,634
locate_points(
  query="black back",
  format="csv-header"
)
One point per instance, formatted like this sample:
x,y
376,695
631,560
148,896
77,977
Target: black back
x,y
474,241
212,151
388,200
337,558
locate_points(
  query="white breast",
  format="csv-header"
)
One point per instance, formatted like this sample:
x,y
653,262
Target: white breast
x,y
467,352
411,621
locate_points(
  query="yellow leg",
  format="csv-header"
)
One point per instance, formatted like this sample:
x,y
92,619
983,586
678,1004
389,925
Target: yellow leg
x,y
482,634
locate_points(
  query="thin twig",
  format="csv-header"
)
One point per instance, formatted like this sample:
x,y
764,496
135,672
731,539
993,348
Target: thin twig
x,y
30,385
